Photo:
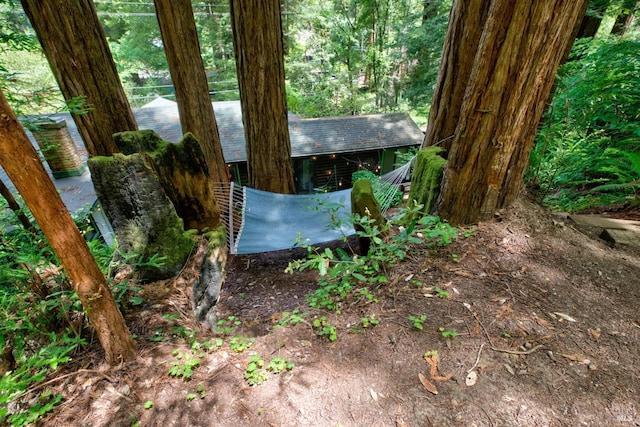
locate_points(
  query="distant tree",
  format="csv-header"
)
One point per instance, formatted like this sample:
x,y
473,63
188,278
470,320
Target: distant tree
x,y
258,45
76,48
497,70
592,18
180,38
626,17
22,164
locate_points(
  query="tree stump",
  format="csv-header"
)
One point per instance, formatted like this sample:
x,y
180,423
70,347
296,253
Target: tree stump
x,y
364,203
143,218
182,171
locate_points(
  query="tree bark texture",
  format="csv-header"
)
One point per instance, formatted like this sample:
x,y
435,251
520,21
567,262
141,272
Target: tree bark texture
x,y
466,21
519,50
182,48
144,219
77,50
257,41
182,172
23,166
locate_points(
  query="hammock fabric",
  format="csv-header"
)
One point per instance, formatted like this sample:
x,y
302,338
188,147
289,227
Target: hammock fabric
x,y
271,221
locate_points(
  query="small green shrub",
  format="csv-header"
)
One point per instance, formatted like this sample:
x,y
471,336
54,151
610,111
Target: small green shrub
x,y
324,328
418,321
187,362
346,276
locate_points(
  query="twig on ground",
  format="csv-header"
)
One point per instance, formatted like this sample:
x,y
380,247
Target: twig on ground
x,y
531,350
477,359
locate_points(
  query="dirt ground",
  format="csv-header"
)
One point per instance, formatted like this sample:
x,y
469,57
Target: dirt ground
x,y
548,334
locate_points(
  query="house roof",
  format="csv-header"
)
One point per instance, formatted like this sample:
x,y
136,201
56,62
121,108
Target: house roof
x,y
309,137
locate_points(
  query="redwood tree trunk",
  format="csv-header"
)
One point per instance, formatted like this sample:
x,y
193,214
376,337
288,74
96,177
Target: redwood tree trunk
x,y
257,41
519,49
22,164
180,38
79,56
461,42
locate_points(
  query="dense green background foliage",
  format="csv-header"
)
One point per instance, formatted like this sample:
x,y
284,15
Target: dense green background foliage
x,y
588,150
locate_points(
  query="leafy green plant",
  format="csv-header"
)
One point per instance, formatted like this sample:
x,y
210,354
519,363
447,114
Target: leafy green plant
x,y
240,343
226,326
291,317
324,328
187,362
255,373
369,321
148,404
208,345
440,292
446,333
418,321
200,392
346,276
43,323
279,364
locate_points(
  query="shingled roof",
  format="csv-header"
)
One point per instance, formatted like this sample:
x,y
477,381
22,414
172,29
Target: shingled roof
x,y
309,137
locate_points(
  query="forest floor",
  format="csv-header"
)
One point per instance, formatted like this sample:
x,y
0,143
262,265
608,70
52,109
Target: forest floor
x,y
548,334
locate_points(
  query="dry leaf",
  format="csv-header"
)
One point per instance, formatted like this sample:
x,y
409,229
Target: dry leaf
x,y
374,395
427,384
471,379
594,333
400,423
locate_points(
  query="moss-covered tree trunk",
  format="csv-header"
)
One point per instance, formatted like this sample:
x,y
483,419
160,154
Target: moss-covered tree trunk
x,y
78,53
511,74
427,176
183,173
365,205
20,160
257,41
182,48
145,222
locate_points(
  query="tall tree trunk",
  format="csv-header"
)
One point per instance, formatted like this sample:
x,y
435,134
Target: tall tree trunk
x,y
493,121
625,17
591,21
22,164
181,45
78,53
257,41
466,21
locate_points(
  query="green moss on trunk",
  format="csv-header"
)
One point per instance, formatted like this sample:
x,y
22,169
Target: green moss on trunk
x,y
364,203
427,175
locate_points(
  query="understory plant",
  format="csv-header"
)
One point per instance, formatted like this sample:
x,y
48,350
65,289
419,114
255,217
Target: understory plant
x,y
43,322
587,152
346,276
